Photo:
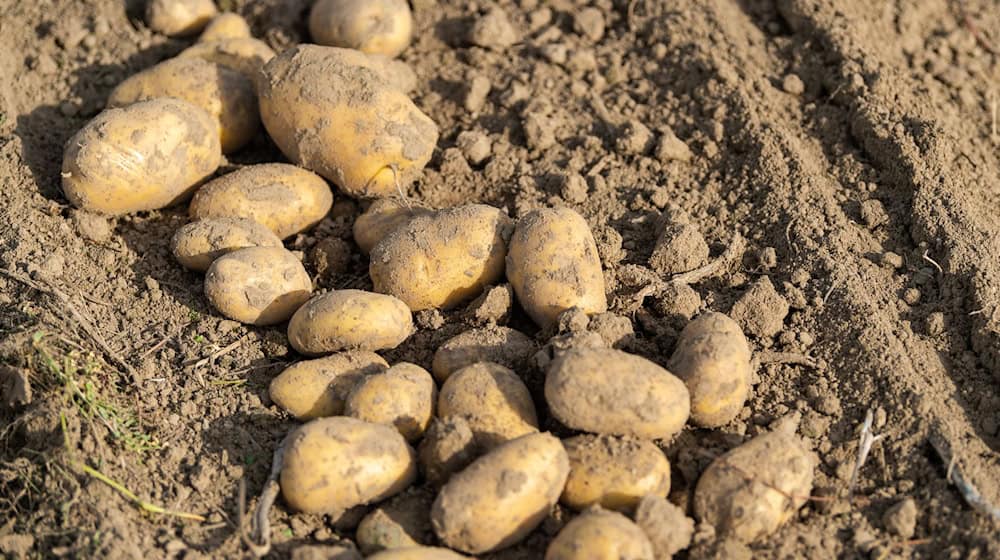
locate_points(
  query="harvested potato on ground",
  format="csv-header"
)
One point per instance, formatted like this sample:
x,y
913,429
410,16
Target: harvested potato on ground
x,y
370,26
257,285
333,464
318,388
402,396
600,535
283,197
442,260
146,156
492,399
613,472
226,94
197,244
403,521
501,497
500,345
178,18
666,526
225,26
448,447
553,265
329,113
417,553
349,320
712,357
244,55
611,392
382,218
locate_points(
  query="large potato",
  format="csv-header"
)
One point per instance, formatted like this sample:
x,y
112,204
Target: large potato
x,y
492,399
417,553
500,345
334,464
612,472
381,218
502,496
244,55
608,391
341,119
402,396
553,265
600,535
285,198
444,259
179,17
198,244
349,320
317,388
257,285
225,26
370,26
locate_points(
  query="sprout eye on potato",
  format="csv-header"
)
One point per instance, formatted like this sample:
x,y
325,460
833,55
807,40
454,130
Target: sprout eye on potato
x,y
492,399
349,320
500,345
614,473
179,17
600,535
402,396
319,388
382,218
258,285
197,244
370,26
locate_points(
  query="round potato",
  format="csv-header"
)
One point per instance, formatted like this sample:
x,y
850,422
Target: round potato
x,y
492,399
600,535
178,18
285,198
257,285
334,464
146,156
332,114
502,496
370,26
608,391
612,472
553,265
417,553
442,260
198,244
349,320
225,26
500,345
245,55
318,388
382,218
448,447
403,396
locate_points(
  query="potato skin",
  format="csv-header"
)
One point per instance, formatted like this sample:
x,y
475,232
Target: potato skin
x,y
319,388
442,260
712,357
257,285
244,55
417,553
197,244
500,345
146,156
225,26
349,320
370,26
178,18
553,265
492,399
382,218
402,396
600,535
608,391
333,464
612,472
501,497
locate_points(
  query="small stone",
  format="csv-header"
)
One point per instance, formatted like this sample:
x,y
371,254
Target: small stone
x,y
152,284
574,188
68,109
761,311
668,529
494,31
634,139
493,306
475,96
678,302
91,226
892,260
671,148
617,331
475,146
539,131
660,197
806,339
555,53
911,296
680,248
792,84
901,518
873,213
768,258
935,323
589,22
573,320
430,319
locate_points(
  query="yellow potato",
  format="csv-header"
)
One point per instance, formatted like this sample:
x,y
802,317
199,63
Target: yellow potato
x,y
349,320
382,218
402,396
178,18
492,399
600,535
448,447
370,26
225,26
608,391
553,265
417,553
613,472
332,114
502,496
442,260
244,55
285,198
317,388
146,156
334,464
257,285
500,345
198,244
712,357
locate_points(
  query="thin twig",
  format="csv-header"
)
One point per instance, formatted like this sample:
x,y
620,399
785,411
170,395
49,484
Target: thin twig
x,y
207,360
956,476
167,338
864,448
261,522
145,506
725,260
926,257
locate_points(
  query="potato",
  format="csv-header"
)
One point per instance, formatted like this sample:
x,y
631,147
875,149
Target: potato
x,y
612,472
600,535
553,265
330,113
333,464
382,217
608,391
712,357
502,496
417,553
285,198
370,26
317,388
492,399
403,396
257,285
225,26
244,55
178,18
448,447
197,244
349,320
500,345
146,156
442,260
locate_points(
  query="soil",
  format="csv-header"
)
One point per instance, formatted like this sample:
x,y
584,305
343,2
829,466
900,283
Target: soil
x,y
852,143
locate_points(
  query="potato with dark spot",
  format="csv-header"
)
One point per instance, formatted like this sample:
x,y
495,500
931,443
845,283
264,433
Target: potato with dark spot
x,y
382,218
257,285
225,26
178,18
197,244
418,553
613,472
402,396
317,388
370,26
600,535
492,399
349,320
500,345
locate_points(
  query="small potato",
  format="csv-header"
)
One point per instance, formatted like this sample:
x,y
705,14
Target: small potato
x,y
553,265
608,391
349,320
403,396
500,345
198,244
334,464
448,447
382,218
612,472
442,260
600,535
712,357
225,26
370,26
502,496
146,156
257,285
319,388
178,18
244,55
285,198
417,553
493,400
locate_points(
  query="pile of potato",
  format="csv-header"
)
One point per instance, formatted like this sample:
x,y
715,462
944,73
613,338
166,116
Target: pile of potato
x,y
470,427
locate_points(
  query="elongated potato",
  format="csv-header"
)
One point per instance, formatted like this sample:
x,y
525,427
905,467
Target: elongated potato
x,y
608,391
612,472
257,285
402,396
244,55
417,553
370,26
178,18
225,26
502,496
493,400
500,345
349,320
198,244
382,218
712,357
442,260
553,265
146,156
600,535
317,388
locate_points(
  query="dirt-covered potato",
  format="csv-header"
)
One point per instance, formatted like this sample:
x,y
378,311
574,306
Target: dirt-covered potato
x,y
553,265
317,388
333,464
600,535
613,472
448,447
501,497
285,198
197,244
402,396
225,26
417,553
500,345
608,391
712,357
349,320
245,55
442,260
225,94
370,26
257,285
381,218
492,399
146,156
178,18
331,113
